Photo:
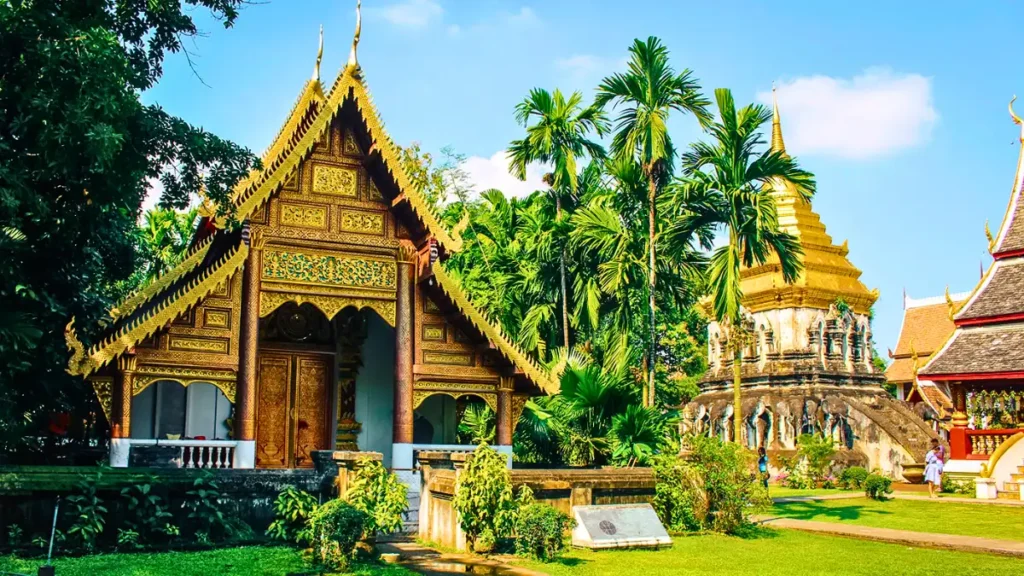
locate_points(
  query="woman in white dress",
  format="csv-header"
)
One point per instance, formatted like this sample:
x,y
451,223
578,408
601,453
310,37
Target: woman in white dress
x,y
933,469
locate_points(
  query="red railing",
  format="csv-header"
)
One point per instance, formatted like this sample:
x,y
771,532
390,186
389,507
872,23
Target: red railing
x,y
978,444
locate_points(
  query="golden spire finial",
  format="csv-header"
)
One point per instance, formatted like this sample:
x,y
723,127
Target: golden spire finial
x,y
319,55
988,236
950,304
353,62
778,145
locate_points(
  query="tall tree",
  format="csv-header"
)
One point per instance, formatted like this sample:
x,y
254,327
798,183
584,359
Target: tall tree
x,y
647,93
556,133
78,149
726,183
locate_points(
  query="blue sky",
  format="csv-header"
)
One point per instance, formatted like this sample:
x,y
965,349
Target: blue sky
x,y
899,108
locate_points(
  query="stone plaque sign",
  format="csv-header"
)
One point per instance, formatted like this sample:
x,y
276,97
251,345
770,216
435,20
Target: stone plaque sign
x,y
618,526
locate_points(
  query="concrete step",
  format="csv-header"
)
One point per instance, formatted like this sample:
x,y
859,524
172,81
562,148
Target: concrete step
x,y
1003,495
1011,486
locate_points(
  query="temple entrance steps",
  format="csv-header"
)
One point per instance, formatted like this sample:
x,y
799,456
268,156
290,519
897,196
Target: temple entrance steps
x,y
1011,488
411,479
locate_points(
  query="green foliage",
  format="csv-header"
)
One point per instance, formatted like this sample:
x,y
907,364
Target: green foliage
x,y
877,486
712,489
540,532
86,511
818,451
637,435
147,513
483,495
477,425
378,494
78,150
127,539
853,478
205,515
957,486
15,534
293,509
337,526
440,183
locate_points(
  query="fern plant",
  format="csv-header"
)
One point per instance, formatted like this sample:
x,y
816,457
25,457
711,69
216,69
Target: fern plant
x,y
477,425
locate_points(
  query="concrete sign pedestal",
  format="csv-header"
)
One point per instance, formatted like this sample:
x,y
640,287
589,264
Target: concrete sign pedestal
x,y
618,526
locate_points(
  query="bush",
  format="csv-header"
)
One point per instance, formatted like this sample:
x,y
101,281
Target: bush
x,y
877,486
794,473
853,478
957,486
336,527
713,489
206,517
87,512
147,511
483,495
380,495
540,531
293,509
817,451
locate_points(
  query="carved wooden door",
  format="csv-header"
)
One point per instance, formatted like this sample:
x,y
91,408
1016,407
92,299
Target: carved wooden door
x,y
292,409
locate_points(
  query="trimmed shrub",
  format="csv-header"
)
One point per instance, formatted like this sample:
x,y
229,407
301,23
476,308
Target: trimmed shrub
x,y
483,495
877,486
540,531
380,495
957,486
853,478
336,527
293,510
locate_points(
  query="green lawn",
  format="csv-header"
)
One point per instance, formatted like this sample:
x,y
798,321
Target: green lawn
x,y
918,515
783,492
779,552
268,561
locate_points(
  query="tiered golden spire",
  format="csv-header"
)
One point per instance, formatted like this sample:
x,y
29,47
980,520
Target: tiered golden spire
x,y
827,274
353,62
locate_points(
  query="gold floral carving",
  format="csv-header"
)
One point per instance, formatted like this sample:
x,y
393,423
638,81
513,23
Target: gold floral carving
x,y
362,222
104,388
329,305
303,216
434,332
351,147
215,345
518,405
216,318
490,398
493,332
329,269
222,379
447,358
335,181
374,193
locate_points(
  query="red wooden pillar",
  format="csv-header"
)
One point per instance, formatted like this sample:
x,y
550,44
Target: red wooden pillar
x,y
404,346
958,445
505,425
245,395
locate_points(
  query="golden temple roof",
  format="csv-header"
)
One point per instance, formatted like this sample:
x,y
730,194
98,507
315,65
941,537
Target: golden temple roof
x,y
827,275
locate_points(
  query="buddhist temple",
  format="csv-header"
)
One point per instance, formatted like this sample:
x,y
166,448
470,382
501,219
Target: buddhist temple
x,y
325,320
982,361
807,357
926,326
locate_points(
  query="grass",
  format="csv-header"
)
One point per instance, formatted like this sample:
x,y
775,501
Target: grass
x,y
783,492
774,552
917,515
275,561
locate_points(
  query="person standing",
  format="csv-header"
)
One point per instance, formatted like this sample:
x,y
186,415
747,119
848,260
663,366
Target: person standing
x,y
934,462
762,466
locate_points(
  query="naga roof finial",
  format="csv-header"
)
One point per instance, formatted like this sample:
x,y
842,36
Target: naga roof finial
x,y
353,62
1016,119
950,304
319,55
988,236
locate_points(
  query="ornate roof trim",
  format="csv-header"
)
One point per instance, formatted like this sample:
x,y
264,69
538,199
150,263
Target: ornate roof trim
x,y
154,287
83,363
1013,209
290,148
453,289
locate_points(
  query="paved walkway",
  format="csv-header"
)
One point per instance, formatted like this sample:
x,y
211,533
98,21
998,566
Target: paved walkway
x,y
429,561
923,539
900,496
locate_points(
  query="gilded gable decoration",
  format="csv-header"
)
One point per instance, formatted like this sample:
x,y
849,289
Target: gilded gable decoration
x,y
304,266
304,216
330,305
225,380
335,181
362,222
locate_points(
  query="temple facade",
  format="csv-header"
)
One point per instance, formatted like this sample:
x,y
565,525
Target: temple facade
x,y
982,361
326,320
806,355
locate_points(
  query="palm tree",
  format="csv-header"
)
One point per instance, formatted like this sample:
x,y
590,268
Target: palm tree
x,y
727,184
165,235
648,93
556,133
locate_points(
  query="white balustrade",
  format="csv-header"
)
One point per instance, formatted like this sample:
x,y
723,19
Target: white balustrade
x,y
207,454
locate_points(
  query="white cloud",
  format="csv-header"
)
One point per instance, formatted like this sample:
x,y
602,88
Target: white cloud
x,y
585,71
875,113
525,17
487,173
412,13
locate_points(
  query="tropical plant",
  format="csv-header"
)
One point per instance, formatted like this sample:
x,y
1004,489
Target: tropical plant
x,y
147,510
877,486
726,183
127,539
205,514
679,496
15,533
87,511
337,526
477,425
293,509
165,235
853,478
819,451
483,495
636,435
557,135
379,495
540,532
648,93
